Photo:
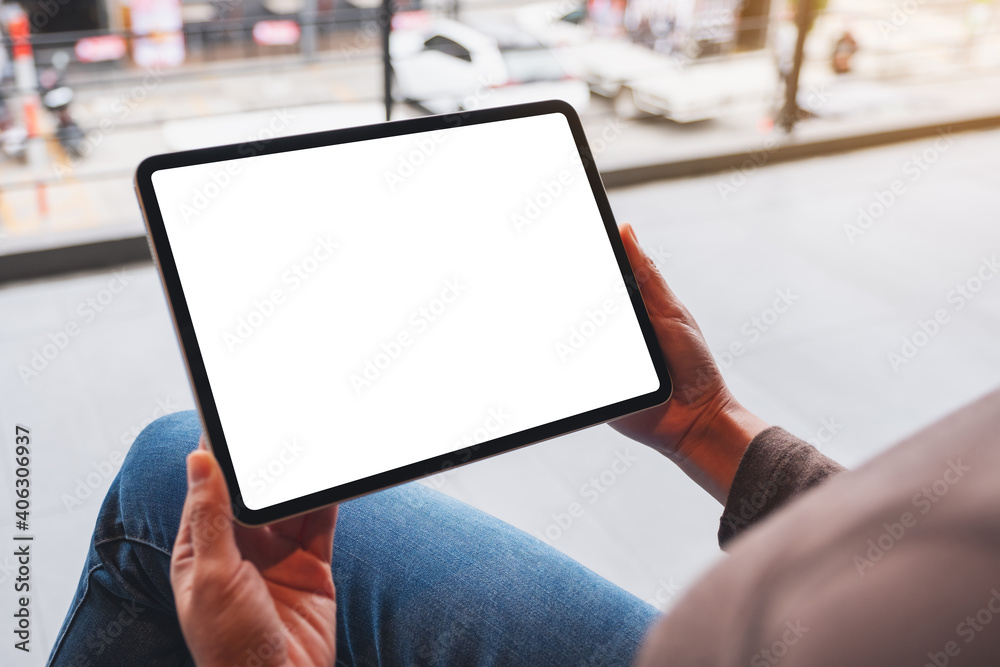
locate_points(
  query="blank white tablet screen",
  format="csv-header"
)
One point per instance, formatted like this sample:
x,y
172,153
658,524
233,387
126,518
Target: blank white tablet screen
x,y
364,306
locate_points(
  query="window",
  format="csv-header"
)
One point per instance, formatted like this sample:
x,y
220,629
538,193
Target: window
x,y
449,47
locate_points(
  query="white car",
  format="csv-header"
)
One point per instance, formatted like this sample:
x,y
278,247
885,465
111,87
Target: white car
x,y
444,66
557,24
607,63
701,90
642,81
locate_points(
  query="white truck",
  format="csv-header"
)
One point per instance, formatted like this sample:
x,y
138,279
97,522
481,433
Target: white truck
x,y
642,81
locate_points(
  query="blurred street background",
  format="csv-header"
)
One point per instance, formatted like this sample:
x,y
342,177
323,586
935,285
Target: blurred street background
x,y
837,154
93,86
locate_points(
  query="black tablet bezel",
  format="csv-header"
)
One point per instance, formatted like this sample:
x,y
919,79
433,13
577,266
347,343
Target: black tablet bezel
x,y
211,423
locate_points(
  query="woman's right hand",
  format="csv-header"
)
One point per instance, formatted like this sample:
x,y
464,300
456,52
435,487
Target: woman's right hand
x,y
702,428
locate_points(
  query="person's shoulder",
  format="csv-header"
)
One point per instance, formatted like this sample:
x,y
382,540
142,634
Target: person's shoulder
x,y
869,561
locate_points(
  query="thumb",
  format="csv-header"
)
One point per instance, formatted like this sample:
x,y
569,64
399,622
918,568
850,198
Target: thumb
x,y
207,519
656,294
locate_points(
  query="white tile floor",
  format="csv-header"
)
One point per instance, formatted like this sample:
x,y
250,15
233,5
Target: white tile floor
x,y
652,531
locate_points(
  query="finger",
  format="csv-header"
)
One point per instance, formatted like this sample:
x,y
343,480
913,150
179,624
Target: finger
x,y
656,294
312,531
317,533
207,519
651,284
183,549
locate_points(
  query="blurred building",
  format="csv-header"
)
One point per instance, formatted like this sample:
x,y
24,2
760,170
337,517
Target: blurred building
x,y
696,27
50,16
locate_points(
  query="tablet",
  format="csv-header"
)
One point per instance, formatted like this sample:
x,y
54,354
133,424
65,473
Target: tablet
x,y
364,307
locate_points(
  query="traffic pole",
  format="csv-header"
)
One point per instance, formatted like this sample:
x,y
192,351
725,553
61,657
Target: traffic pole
x,y
309,29
26,79
385,18
791,111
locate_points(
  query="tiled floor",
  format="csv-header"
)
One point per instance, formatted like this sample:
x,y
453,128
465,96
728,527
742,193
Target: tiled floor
x,y
824,361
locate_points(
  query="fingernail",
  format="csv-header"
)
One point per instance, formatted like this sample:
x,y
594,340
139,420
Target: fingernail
x,y
198,468
631,230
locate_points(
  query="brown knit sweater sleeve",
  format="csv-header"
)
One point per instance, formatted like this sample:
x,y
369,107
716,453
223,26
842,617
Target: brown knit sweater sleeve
x,y
775,467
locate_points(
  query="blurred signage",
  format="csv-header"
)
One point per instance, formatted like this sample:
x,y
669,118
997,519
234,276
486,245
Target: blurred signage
x,y
410,20
20,34
157,26
100,49
276,33
606,15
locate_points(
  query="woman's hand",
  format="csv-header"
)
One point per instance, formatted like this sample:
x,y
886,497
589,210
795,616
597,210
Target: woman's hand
x,y
702,428
251,595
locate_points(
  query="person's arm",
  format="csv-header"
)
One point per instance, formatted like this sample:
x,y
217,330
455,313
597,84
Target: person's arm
x,y
776,467
729,451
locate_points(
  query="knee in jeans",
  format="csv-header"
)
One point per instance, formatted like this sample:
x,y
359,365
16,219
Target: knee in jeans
x,y
155,463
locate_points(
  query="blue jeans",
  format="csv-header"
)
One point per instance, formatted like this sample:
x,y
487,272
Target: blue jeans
x,y
422,579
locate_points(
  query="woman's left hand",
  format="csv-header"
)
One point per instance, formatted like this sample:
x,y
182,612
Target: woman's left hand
x,y
243,593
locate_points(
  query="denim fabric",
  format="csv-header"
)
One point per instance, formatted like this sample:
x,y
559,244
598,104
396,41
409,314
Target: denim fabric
x,y
422,579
